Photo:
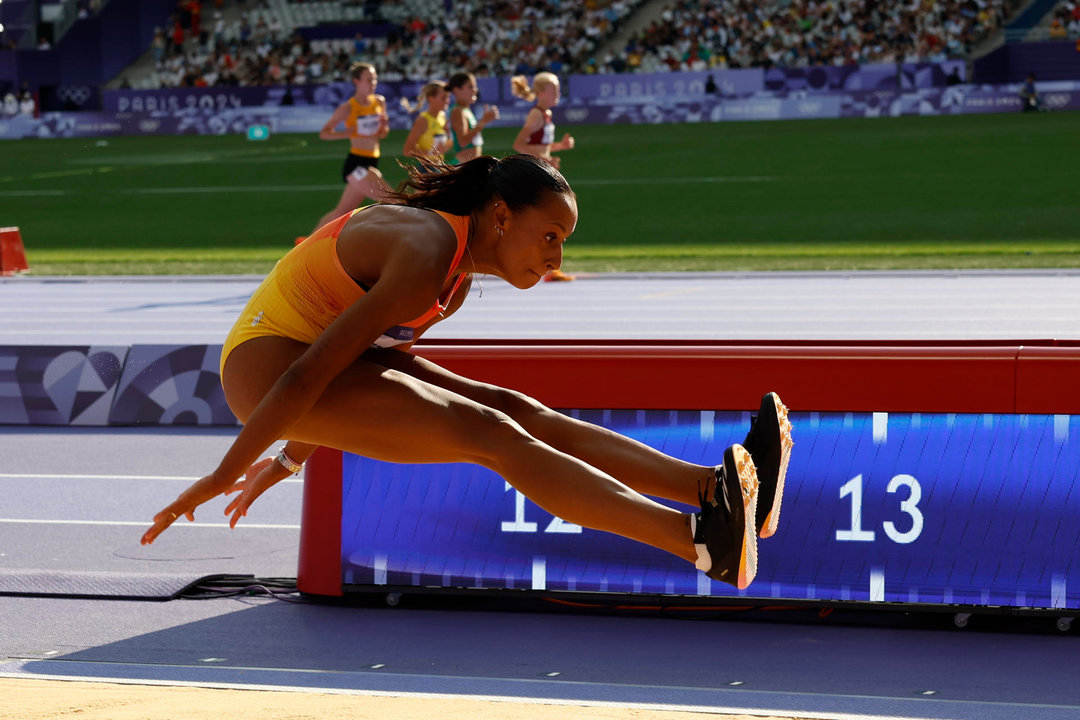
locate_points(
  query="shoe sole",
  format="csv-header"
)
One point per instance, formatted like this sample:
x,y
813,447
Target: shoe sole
x,y
748,491
780,414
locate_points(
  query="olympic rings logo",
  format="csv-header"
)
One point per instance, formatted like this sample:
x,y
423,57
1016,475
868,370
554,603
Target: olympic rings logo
x,y
75,94
1057,100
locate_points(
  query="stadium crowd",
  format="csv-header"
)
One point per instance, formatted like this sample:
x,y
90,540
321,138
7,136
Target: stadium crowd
x,y
699,35
1065,21
505,37
499,37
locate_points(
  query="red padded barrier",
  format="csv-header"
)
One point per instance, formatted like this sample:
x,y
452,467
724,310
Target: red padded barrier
x,y
824,378
1048,380
977,376
319,565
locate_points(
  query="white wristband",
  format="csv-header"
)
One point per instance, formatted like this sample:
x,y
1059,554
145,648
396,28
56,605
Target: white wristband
x,y
288,463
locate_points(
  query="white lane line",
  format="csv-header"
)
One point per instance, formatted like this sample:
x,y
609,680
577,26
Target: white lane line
x,y
143,523
66,476
676,180
670,293
32,193
219,189
232,189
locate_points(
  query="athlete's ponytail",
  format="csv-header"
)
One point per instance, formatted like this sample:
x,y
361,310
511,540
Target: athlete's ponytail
x,y
519,180
427,92
520,86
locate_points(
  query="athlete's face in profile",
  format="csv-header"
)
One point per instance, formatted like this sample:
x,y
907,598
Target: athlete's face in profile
x,y
438,101
549,95
533,238
465,94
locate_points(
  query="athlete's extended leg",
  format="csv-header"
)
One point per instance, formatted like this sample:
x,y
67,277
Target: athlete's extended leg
x,y
385,414
639,466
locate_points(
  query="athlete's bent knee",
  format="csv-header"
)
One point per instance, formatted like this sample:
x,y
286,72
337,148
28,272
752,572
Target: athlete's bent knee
x,y
490,434
516,404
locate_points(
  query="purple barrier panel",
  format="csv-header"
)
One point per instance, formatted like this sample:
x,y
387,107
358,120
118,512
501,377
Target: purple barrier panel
x,y
171,385
18,127
59,385
327,96
960,99
658,86
908,76
577,89
782,105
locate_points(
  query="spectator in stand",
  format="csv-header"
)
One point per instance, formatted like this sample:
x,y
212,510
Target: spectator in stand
x,y
365,124
218,34
427,138
195,8
159,45
27,104
178,35
11,105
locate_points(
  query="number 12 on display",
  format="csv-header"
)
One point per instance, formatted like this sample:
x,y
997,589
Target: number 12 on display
x,y
853,488
519,524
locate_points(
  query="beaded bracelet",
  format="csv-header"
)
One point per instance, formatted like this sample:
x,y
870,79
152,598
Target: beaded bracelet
x,y
288,463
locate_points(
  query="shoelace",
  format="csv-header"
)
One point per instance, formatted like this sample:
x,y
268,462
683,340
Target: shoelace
x,y
703,495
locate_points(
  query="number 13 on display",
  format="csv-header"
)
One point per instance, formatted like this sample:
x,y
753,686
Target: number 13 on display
x,y
853,488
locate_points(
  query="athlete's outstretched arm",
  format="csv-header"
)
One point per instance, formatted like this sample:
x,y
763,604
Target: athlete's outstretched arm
x,y
408,283
419,127
329,131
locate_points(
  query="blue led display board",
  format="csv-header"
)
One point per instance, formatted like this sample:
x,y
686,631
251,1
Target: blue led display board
x,y
930,508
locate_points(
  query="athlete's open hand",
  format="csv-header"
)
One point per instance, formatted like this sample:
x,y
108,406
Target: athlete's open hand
x,y
258,479
202,490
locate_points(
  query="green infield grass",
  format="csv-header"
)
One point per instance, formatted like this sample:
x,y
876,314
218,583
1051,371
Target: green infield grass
x,y
975,191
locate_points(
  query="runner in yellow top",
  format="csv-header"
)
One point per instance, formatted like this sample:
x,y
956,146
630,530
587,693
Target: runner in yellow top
x,y
365,124
315,374
427,139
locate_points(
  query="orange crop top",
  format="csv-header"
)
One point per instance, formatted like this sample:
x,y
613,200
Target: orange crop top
x,y
308,289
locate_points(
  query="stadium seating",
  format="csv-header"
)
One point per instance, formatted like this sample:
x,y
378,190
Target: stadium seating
x,y
434,38
736,33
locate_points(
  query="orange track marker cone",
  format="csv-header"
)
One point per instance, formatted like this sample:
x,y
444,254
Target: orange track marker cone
x,y
12,253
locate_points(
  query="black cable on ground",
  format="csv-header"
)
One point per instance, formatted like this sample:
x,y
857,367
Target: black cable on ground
x,y
222,586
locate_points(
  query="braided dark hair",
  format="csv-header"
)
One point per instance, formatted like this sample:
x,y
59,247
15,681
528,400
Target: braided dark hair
x,y
519,180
